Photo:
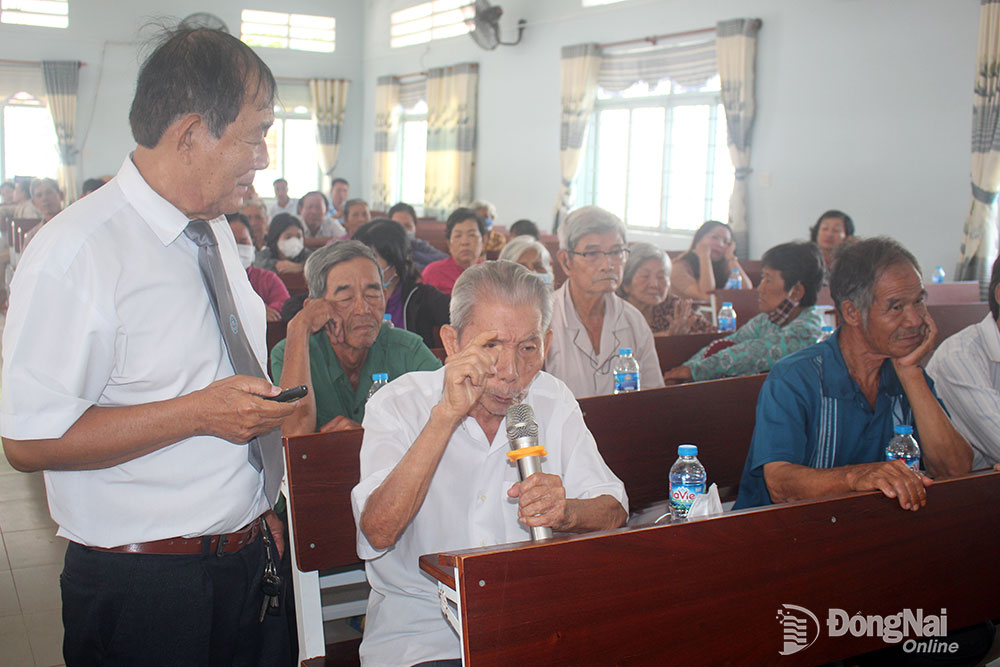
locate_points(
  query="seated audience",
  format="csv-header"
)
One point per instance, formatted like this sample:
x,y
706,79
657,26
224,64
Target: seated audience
x,y
24,208
464,231
826,413
530,254
46,197
356,213
90,185
434,441
708,264
266,284
646,285
282,202
423,252
319,229
832,229
791,277
492,239
589,322
966,373
413,305
340,192
337,341
284,250
524,228
256,214
6,193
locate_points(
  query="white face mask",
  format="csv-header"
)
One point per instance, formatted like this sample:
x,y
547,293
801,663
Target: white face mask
x,y
411,233
546,278
291,247
247,254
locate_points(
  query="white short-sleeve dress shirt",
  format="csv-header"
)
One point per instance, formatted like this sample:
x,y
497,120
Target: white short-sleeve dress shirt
x,y
291,208
966,373
108,308
466,505
571,357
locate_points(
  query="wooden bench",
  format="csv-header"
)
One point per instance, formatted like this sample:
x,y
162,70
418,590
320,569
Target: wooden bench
x,y
675,350
714,591
295,282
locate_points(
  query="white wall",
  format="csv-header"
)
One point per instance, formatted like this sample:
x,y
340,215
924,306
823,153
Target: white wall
x,y
108,37
864,106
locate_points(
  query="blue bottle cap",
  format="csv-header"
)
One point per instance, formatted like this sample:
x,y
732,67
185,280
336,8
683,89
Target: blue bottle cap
x,y
387,318
625,350
687,450
827,329
375,377
727,304
903,428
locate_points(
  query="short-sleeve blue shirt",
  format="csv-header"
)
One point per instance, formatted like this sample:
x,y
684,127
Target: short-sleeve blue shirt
x,y
811,412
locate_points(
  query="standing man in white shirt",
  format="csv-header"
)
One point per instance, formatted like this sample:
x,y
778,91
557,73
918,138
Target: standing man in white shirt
x,y
119,381
282,202
434,470
966,373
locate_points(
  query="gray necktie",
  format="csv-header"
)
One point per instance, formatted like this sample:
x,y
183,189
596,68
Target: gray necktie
x,y
264,450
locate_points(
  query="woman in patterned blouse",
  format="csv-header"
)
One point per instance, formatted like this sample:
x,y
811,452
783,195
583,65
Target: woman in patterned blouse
x,y
645,284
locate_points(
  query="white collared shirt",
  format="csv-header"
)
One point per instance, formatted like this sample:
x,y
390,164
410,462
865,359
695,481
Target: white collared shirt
x,y
571,356
966,373
108,308
466,504
291,208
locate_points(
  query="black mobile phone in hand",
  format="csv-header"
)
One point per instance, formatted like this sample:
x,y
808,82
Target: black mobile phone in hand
x,y
293,394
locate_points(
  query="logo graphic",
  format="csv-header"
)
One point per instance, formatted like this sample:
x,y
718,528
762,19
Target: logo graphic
x,y
798,624
233,325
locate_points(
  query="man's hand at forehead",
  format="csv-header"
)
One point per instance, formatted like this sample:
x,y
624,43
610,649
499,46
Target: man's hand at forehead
x,y
466,373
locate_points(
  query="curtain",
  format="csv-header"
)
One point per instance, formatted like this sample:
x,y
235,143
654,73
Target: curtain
x,y
979,237
687,60
736,45
451,138
386,135
62,80
580,66
329,98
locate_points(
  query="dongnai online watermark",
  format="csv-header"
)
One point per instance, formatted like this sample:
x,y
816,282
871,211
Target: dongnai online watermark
x,y
922,631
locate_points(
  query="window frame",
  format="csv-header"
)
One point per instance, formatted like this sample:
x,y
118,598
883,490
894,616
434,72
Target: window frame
x,y
289,37
34,103
405,116
586,180
282,115
13,7
463,8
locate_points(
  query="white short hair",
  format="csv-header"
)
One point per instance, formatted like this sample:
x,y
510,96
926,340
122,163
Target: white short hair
x,y
588,220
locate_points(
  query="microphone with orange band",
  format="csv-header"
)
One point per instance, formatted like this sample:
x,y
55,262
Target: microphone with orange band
x,y
522,432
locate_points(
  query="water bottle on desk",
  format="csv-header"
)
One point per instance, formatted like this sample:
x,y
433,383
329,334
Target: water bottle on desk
x,y
904,446
727,318
687,479
735,280
387,321
626,371
938,276
379,380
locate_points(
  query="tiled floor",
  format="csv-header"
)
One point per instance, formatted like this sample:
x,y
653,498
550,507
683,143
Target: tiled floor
x,y
30,562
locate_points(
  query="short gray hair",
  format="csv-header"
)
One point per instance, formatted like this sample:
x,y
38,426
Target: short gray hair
x,y
588,220
857,267
639,254
256,203
491,210
519,245
36,183
503,281
321,261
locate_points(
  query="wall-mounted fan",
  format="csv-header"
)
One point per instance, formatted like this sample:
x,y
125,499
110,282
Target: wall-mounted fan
x,y
486,26
203,20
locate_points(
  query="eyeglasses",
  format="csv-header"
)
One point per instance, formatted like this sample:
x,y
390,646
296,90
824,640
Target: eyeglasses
x,y
594,256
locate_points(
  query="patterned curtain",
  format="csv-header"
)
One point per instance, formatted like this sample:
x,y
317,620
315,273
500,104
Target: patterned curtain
x,y
736,44
329,98
979,238
386,135
451,137
62,80
580,66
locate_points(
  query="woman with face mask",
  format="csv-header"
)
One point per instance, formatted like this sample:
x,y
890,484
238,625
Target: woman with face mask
x,y
265,283
791,276
530,254
412,304
284,248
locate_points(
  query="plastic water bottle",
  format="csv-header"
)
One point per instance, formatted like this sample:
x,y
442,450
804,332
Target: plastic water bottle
x,y
938,275
379,380
727,318
904,446
626,371
735,280
687,479
825,332
387,321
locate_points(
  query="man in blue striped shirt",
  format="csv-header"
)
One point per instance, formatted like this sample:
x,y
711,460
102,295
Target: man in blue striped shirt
x,y
826,413
966,370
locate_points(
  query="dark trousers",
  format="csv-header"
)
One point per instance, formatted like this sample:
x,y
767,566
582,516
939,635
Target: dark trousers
x,y
137,609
